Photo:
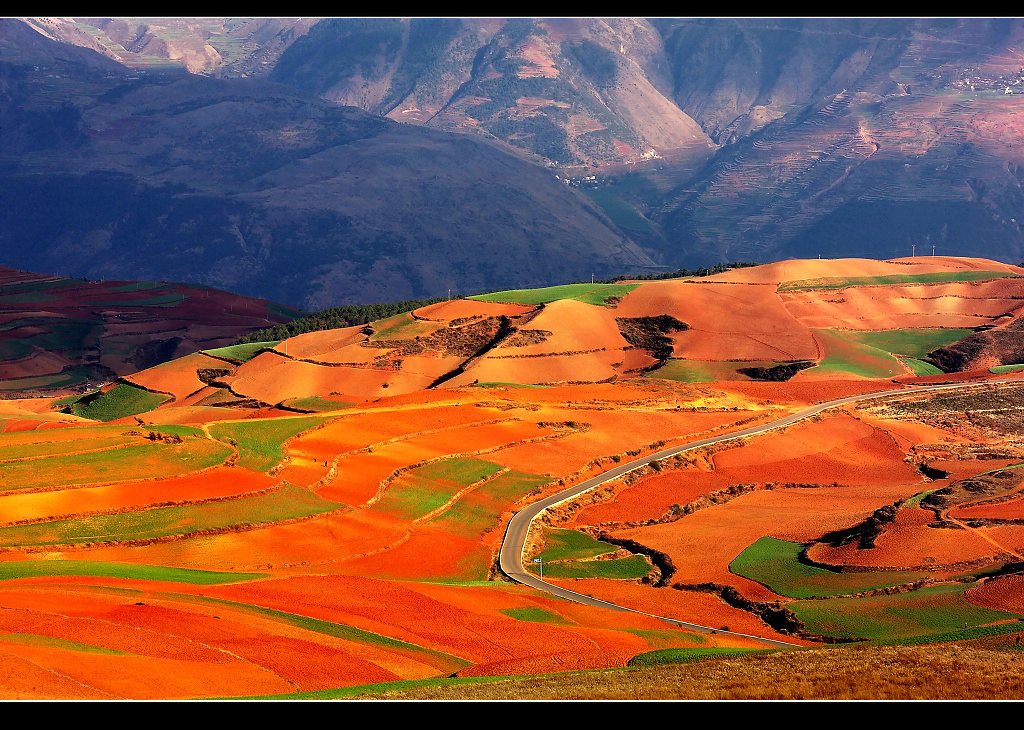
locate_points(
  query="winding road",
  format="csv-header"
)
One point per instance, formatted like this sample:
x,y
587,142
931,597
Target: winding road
x,y
513,545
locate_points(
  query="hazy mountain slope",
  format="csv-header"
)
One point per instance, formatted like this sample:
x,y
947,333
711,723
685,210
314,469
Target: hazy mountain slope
x,y
273,193
910,145
216,46
571,91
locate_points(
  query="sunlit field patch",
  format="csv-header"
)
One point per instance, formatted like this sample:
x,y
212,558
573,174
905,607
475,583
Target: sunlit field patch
x,y
143,461
775,563
287,503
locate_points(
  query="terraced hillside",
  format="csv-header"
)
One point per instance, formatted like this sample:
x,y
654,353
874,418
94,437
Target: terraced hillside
x,y
60,333
269,520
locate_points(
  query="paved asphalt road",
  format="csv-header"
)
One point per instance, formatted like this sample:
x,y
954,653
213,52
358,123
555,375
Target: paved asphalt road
x,y
514,543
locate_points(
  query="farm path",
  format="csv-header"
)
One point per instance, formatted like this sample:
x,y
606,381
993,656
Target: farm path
x,y
982,535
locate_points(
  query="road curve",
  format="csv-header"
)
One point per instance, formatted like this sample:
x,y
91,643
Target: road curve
x,y
513,545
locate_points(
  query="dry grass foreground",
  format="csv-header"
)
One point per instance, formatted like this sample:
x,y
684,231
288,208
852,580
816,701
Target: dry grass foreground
x,y
837,673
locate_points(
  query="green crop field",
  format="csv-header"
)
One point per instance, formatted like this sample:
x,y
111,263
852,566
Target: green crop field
x,y
177,430
596,294
845,353
699,371
667,638
842,282
687,655
260,442
120,401
57,380
570,545
428,487
998,369
287,503
316,404
479,510
14,349
974,633
926,611
242,353
143,461
401,326
909,342
56,643
536,615
40,568
138,286
774,563
633,567
920,367
47,435
39,285
61,334
170,299
76,446
33,297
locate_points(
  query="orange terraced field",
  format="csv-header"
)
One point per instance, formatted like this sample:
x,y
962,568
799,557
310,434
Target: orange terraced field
x,y
373,555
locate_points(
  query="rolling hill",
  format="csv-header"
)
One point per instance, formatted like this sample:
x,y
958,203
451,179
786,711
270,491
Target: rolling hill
x,y
269,191
319,517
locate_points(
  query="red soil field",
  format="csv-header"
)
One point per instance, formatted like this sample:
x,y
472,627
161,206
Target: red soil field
x,y
272,378
193,415
793,270
426,554
178,377
574,326
580,367
703,543
910,543
680,605
1012,509
842,449
322,344
503,596
39,362
318,543
612,432
727,321
301,470
401,612
654,496
358,475
956,304
805,392
163,627
367,568
212,484
462,308
1001,594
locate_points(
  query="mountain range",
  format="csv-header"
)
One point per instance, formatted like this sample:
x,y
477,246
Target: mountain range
x,y
327,161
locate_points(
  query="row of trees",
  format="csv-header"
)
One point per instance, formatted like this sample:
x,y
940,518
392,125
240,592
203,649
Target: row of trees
x,y
335,318
355,314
